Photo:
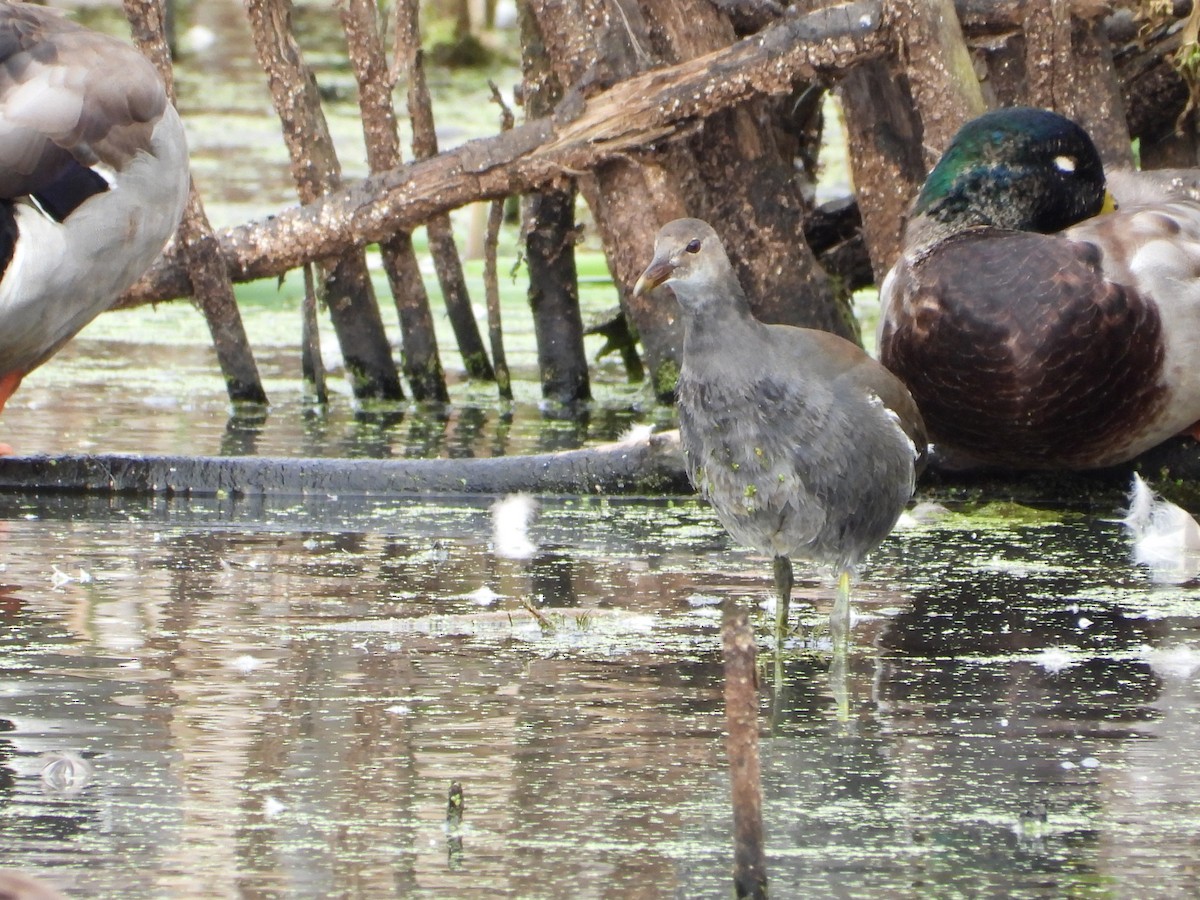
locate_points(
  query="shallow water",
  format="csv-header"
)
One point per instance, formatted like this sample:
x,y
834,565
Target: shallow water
x,y
237,698
275,700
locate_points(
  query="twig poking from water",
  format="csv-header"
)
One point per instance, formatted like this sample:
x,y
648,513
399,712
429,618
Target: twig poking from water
x,y
741,718
454,814
311,364
491,282
544,623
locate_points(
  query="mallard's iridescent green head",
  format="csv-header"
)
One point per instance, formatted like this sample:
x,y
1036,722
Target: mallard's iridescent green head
x,y
1019,168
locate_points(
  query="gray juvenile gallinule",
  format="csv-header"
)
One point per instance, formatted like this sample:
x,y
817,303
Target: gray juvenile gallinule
x,y
804,445
1032,332
93,180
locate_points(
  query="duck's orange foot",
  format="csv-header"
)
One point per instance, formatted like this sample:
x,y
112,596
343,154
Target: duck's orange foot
x,y
6,450
1193,431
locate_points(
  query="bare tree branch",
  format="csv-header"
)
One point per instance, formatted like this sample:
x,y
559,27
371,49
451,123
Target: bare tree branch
x,y
630,116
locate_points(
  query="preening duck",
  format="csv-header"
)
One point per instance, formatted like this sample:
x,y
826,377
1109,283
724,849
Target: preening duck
x,y
93,180
1034,331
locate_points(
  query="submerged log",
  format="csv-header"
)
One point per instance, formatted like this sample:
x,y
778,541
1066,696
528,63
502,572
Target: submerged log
x,y
645,466
651,466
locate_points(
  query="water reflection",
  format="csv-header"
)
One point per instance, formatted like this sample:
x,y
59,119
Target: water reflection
x,y
275,699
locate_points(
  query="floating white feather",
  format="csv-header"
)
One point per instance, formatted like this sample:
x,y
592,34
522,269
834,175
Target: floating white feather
x,y
511,518
1166,538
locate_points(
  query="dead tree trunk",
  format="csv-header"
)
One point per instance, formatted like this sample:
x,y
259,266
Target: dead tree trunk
x,y
422,363
736,174
345,279
1062,62
823,45
630,196
446,260
901,113
729,172
210,284
549,229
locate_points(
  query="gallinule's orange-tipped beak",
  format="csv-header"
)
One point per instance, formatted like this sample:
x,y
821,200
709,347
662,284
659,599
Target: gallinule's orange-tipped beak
x,y
656,273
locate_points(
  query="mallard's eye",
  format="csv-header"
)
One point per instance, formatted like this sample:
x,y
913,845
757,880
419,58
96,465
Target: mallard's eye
x,y
693,246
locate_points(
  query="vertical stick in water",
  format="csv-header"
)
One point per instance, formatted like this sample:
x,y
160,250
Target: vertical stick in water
x,y
311,363
741,718
454,816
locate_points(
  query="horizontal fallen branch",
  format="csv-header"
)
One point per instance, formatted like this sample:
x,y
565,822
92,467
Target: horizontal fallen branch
x,y
651,466
628,117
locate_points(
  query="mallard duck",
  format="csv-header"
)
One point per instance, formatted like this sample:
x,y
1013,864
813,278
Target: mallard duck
x,y
93,180
1034,332
804,445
